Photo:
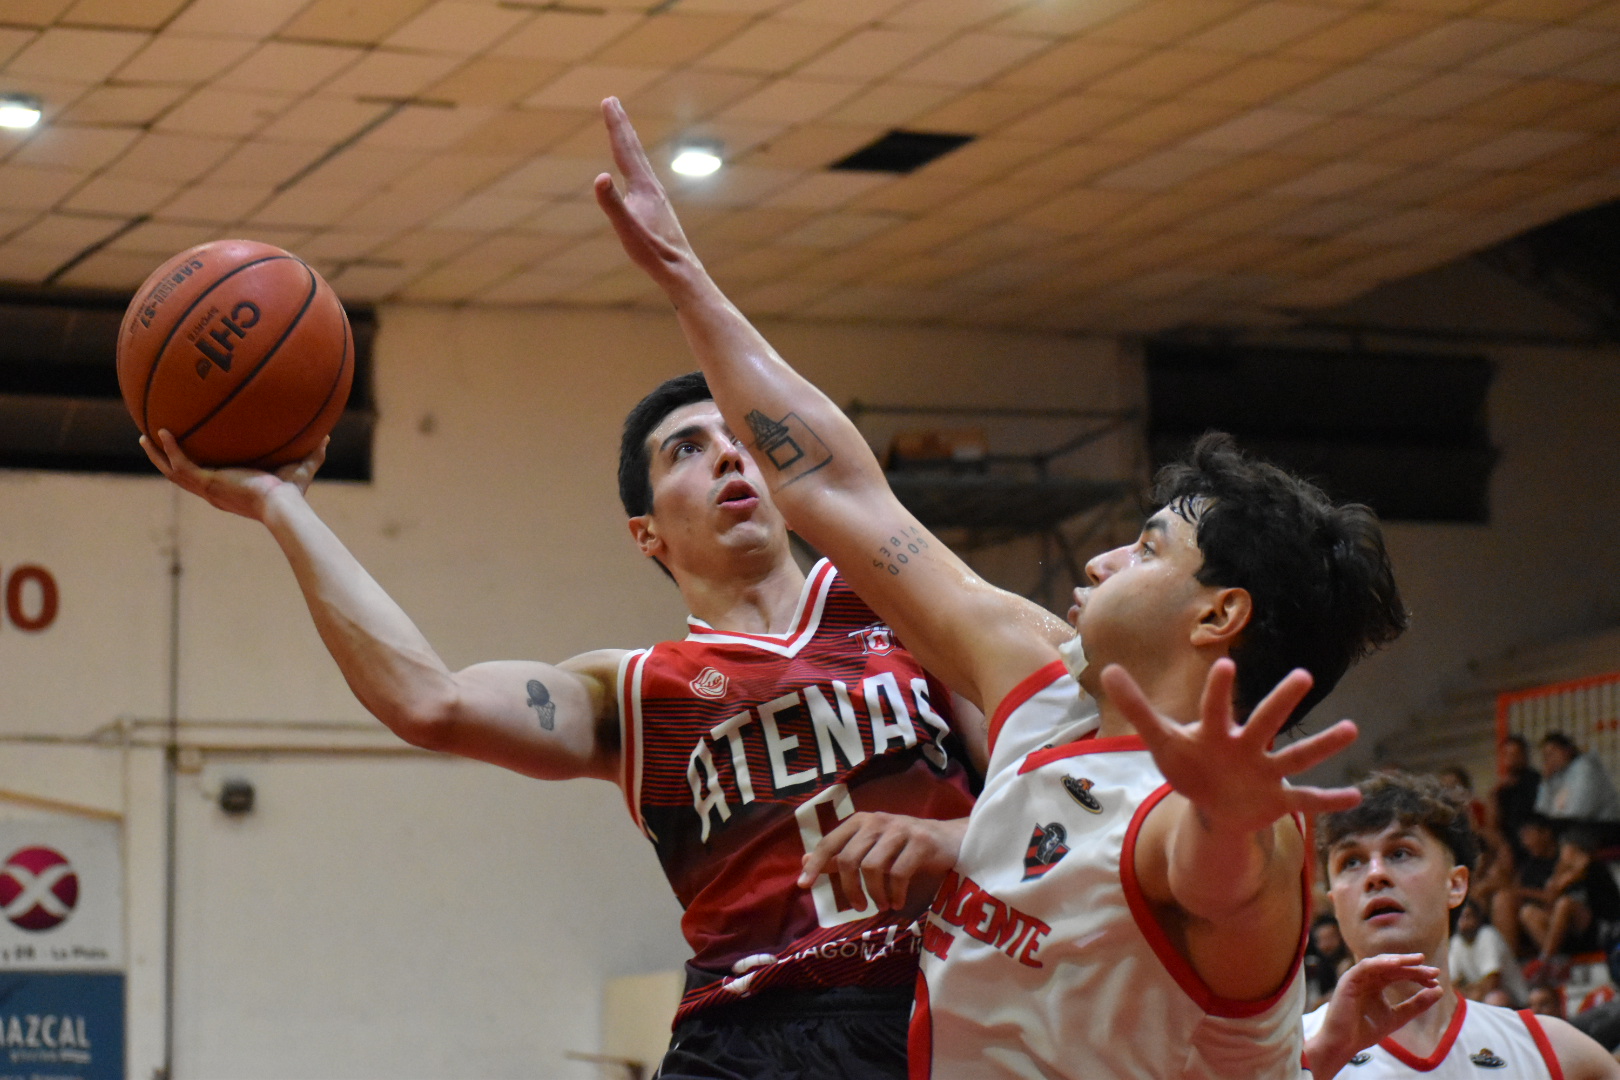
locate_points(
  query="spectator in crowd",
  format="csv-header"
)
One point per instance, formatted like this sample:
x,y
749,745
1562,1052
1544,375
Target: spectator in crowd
x,y
1515,794
1576,791
1461,787
1481,961
1566,915
1326,958
1539,844
1547,1001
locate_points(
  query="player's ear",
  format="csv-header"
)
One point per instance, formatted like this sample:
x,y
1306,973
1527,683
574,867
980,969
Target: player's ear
x,y
1457,887
1222,618
645,533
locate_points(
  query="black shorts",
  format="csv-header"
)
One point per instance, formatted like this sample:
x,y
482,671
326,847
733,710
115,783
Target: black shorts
x,y
850,1033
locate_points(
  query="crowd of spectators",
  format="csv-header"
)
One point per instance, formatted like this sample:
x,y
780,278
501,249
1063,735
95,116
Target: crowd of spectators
x,y
1544,895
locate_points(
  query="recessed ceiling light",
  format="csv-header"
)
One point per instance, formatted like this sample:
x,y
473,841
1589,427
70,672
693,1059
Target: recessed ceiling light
x,y
19,110
696,158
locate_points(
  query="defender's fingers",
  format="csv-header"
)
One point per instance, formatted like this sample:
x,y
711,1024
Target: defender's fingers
x,y
1216,704
1318,748
171,449
1275,708
851,869
879,866
1310,800
1414,1006
628,153
155,456
826,850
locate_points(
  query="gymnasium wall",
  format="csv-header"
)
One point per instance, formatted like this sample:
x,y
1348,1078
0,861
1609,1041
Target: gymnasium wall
x,y
403,916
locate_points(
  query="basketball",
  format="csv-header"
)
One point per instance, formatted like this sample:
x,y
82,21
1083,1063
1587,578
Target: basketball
x,y
240,350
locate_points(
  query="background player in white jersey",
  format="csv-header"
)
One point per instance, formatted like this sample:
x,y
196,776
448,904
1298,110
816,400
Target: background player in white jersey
x,y
1398,867
1134,930
784,982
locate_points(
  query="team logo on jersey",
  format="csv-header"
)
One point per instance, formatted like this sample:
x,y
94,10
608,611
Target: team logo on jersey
x,y
1080,788
709,683
876,640
1046,847
1361,1059
1486,1059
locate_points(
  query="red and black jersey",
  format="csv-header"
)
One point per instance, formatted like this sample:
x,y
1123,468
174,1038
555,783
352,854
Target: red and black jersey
x,y
742,750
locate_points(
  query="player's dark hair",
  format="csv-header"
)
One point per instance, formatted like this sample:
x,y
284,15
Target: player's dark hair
x,y
1322,588
1417,801
635,461
1562,741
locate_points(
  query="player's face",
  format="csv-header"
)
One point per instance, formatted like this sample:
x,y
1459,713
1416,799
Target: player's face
x,y
708,496
1393,891
1143,598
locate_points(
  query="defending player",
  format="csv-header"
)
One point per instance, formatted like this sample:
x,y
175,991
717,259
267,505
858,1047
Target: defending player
x,y
1101,921
789,704
1397,868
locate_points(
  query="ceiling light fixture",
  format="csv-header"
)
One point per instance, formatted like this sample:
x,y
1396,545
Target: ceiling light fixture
x,y
696,158
19,110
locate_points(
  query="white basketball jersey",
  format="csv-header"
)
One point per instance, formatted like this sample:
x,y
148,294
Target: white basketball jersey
x,y
1041,959
1480,1041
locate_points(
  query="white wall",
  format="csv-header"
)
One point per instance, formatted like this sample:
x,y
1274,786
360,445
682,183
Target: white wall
x,y
406,916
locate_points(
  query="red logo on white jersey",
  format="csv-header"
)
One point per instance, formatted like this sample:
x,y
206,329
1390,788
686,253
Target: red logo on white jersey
x,y
876,639
709,683
38,888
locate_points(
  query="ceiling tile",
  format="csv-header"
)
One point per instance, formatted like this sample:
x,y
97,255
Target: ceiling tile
x,y
1403,227
176,58
62,146
132,105
458,174
691,95
585,86
1063,20
180,158
912,194
19,262
772,46
1602,68
1165,123
568,36
840,229
1590,157
985,159
1420,186
871,53
980,112
1599,114
840,12
1336,178
1546,51
1163,21
289,67
494,80
121,195
759,264
163,238
1451,43
1324,220
1344,135
890,104
1070,64
736,185
954,14
551,176
1249,214
90,55
425,246
586,259
1165,73
108,270
1353,88
1256,129
215,203
370,283
1257,172
1267,26
1493,193
571,217
345,22
342,245
529,288
792,100
1516,149
973,58
1257,81
35,12
826,190
1428,143
488,213
1079,210
12,41
457,27
996,202
1075,116
1361,34
392,74
29,188
322,118
255,164
427,128
234,18
670,40
1441,95
364,167
1163,170
214,111
525,131
1179,208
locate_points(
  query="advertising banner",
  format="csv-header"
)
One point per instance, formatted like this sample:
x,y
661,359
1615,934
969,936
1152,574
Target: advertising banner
x,y
67,1025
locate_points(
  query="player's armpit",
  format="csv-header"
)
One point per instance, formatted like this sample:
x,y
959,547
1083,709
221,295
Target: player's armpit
x,y
552,722
1579,1055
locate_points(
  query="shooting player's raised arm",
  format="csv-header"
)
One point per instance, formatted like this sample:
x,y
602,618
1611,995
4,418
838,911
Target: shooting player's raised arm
x,y
979,639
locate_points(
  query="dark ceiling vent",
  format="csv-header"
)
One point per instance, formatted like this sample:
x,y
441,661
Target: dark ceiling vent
x,y
902,151
60,407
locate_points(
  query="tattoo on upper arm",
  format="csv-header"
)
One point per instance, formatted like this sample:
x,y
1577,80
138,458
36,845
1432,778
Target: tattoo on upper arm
x,y
896,552
540,701
788,445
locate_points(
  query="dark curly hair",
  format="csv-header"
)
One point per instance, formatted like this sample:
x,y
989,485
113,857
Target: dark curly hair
x,y
1413,800
1323,592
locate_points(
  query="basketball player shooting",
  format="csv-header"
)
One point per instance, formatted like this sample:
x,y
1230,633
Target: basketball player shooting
x,y
788,705
1398,867
1129,899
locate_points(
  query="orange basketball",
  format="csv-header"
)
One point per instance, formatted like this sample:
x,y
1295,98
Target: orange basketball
x,y
240,350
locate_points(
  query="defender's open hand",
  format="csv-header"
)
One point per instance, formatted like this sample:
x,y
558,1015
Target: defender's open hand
x,y
642,216
884,855
240,491
1228,772
1359,1015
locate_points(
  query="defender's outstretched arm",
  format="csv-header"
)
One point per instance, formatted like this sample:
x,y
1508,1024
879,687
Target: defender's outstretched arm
x,y
979,639
551,722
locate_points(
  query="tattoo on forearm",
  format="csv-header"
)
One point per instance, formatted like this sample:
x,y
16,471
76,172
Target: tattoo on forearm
x,y
788,445
540,701
896,552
